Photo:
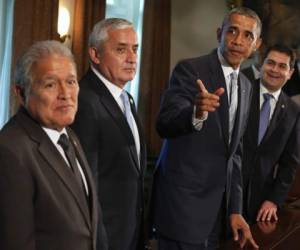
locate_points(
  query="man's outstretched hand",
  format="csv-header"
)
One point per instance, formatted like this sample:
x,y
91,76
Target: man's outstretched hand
x,y
205,101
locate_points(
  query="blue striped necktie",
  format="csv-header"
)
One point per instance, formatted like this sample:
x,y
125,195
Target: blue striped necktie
x,y
264,116
127,109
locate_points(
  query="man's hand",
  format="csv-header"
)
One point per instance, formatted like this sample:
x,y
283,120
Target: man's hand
x,y
267,227
267,212
239,225
205,101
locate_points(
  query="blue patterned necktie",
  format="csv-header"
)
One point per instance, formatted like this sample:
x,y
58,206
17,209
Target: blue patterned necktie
x,y
264,116
127,109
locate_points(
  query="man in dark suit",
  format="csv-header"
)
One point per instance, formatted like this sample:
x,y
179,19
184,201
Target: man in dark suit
x,y
110,132
47,197
253,71
271,149
292,86
198,178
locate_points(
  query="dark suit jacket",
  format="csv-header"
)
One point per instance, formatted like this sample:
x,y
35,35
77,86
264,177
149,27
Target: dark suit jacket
x,y
42,206
110,148
248,72
196,168
292,86
268,168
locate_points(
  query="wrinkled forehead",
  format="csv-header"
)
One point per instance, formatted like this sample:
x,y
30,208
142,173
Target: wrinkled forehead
x,y
242,22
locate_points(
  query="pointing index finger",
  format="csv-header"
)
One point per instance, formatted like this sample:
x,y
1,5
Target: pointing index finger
x,y
201,86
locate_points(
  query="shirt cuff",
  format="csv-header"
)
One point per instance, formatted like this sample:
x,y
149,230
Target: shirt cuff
x,y
198,122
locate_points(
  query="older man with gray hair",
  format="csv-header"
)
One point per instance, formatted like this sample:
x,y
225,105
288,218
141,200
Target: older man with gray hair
x,y
110,132
47,195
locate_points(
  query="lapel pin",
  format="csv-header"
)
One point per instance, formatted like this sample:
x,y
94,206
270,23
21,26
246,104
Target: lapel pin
x,y
283,106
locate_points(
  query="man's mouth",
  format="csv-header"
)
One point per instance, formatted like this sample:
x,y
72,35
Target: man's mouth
x,y
65,107
236,52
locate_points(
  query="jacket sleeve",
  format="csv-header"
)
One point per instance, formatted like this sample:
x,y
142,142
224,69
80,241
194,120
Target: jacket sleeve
x,y
287,166
175,115
17,228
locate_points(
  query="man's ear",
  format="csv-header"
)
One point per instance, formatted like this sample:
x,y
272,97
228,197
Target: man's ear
x,y
291,73
20,93
94,55
219,34
258,43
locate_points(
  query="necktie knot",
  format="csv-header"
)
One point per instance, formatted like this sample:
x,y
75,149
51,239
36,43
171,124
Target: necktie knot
x,y
234,76
125,101
127,108
64,142
267,96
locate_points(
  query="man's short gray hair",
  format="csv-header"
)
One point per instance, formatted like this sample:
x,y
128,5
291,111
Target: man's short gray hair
x,y
23,71
99,32
243,11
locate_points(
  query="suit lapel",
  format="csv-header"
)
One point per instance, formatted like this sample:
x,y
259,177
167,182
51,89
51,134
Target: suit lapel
x,y
116,113
51,155
55,161
278,115
90,180
140,131
219,81
240,113
254,115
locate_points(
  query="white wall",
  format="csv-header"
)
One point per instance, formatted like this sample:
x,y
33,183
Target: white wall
x,y
194,25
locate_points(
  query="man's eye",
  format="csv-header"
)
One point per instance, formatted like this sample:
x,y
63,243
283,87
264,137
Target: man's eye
x,y
49,85
249,36
270,62
135,50
72,81
283,66
121,50
231,31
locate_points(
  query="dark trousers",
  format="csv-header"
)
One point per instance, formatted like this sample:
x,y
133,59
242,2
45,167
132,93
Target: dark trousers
x,y
212,242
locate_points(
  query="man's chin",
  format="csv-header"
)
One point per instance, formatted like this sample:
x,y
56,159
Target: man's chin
x,y
235,62
66,121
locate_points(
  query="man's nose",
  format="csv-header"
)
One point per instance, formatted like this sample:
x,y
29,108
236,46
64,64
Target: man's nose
x,y
238,39
64,91
132,56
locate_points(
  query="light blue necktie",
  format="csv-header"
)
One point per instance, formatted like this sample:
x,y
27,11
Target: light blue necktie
x,y
264,116
127,109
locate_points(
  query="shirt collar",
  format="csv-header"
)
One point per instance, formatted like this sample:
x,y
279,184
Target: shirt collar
x,y
264,90
113,89
54,134
256,72
227,69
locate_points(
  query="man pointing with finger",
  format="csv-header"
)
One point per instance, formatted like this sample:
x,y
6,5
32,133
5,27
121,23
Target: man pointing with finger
x,y
197,185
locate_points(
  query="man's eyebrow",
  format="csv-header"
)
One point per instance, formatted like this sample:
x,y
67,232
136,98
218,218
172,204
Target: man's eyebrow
x,y
126,44
122,44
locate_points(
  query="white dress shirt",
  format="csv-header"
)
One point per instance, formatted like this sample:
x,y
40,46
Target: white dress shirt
x,y
273,100
227,70
54,137
116,93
